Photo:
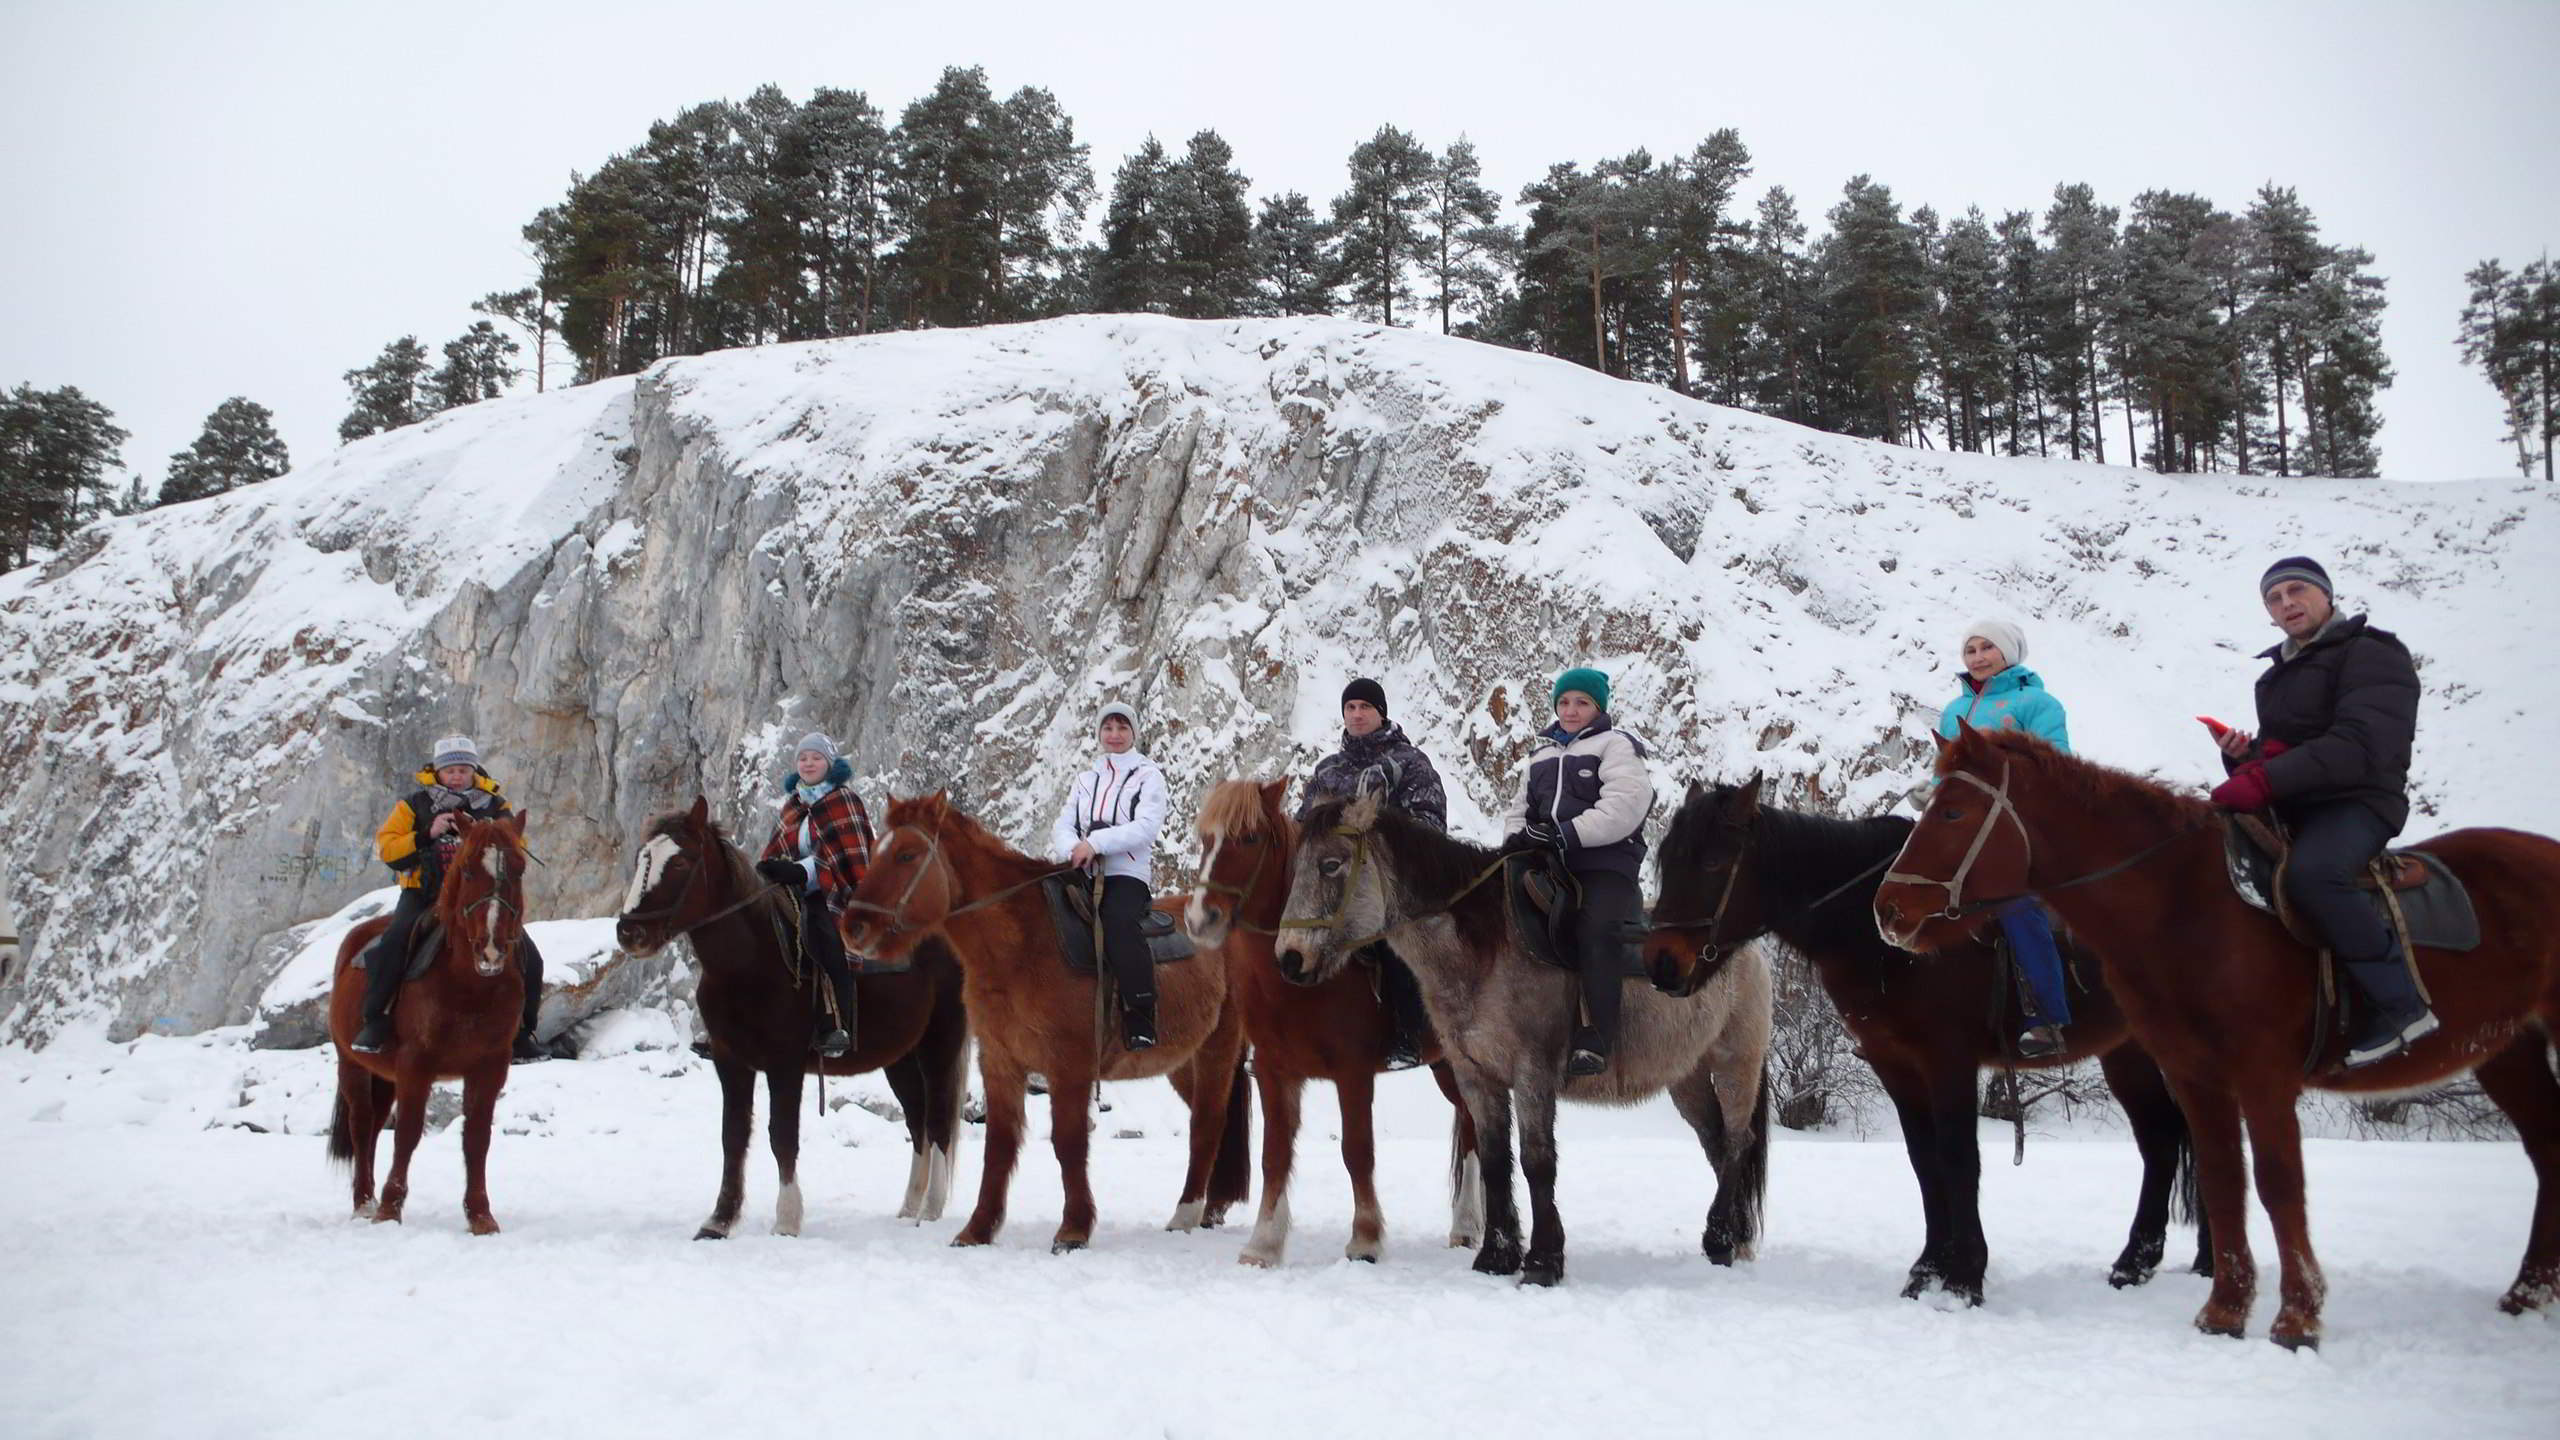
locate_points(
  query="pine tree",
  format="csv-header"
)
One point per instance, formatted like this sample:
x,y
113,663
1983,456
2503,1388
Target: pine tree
x,y
1211,227
56,447
1377,222
2023,341
1972,359
2346,370
1874,292
1605,227
2080,278
1043,186
2165,323
2511,330
1784,343
1694,238
851,230
1292,264
1457,230
391,392
764,199
531,310
1134,272
2285,260
238,446
477,366
947,174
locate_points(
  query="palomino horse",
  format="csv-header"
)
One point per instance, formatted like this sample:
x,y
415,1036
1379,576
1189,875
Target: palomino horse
x,y
937,871
2226,1000
755,997
457,1021
1366,873
1337,1030
1734,870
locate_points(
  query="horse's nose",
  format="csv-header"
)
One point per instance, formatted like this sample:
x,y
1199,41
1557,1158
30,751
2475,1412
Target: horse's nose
x,y
1293,967
1666,970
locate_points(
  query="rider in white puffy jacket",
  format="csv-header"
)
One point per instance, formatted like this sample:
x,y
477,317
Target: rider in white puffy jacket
x,y
1586,797
1109,824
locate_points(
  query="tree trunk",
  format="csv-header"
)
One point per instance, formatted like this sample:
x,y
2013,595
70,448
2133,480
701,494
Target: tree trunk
x,y
1679,326
1599,335
2284,422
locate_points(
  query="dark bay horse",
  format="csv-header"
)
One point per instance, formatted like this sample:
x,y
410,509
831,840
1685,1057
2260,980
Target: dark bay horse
x,y
755,997
2226,1000
1734,870
1365,873
939,872
457,1021
1337,1030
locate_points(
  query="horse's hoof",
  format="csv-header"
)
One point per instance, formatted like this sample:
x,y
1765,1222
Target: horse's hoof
x,y
386,1217
1543,1271
1717,1254
1922,1281
1259,1262
2527,1296
1459,1240
2203,1265
2125,1277
971,1239
2295,1340
1498,1259
2224,1328
1065,1247
484,1225
707,1233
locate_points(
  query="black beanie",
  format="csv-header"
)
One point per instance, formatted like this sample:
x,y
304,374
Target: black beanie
x,y
2296,567
1369,690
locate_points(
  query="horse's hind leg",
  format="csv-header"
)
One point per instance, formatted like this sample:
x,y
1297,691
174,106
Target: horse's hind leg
x,y
737,1122
1357,1092
1732,1132
2160,1133
1280,1096
906,1081
2275,1144
412,1090
942,1058
1466,1167
2520,1080
1005,1081
2213,1129
783,1089
1909,1092
361,1101
1071,1136
479,1112
1544,1264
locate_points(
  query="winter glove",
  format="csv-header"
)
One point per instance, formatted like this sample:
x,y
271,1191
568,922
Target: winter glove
x,y
1543,834
783,872
2270,749
2246,790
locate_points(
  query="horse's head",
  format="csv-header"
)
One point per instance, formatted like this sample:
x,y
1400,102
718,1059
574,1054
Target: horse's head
x,y
672,881
1706,911
1337,893
1245,841
907,892
483,894
1969,844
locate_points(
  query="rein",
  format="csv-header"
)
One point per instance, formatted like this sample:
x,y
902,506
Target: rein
x,y
896,916
1359,859
790,947
1712,948
1958,908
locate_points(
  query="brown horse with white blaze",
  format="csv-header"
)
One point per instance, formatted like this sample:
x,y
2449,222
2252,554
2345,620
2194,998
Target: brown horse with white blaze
x,y
1337,1029
456,1021
937,872
2226,1000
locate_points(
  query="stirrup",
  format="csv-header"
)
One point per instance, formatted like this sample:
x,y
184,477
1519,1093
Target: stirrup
x,y
832,1044
2038,1042
1403,1057
372,1037
2393,1042
1583,1063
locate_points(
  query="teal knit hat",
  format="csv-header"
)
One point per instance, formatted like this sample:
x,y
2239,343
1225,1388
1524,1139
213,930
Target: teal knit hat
x,y
1585,679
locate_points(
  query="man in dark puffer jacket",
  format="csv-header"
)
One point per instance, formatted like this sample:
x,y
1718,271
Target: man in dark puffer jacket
x,y
1376,757
2337,717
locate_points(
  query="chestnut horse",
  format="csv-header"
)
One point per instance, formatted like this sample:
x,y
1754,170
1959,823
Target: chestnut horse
x,y
457,1021
938,872
1364,873
1338,1030
1734,870
755,998
2226,1000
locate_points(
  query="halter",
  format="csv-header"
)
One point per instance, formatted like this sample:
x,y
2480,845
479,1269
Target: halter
x,y
896,921
2000,805
495,898
1238,894
1711,949
1359,859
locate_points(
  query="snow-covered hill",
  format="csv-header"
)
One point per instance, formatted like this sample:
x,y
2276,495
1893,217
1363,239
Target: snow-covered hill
x,y
945,547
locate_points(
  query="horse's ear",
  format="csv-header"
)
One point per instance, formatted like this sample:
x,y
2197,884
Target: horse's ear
x,y
1749,796
1697,795
1275,793
700,814
1362,814
518,820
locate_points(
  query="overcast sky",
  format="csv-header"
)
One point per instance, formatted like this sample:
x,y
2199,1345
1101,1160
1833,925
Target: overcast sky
x,y
200,200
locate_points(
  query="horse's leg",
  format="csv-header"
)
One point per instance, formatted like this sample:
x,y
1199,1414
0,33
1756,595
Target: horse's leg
x,y
783,1089
413,1087
2213,1129
2519,1079
737,1119
2160,1133
1004,1079
1964,1252
1909,1091
2275,1144
1280,1095
1489,1103
479,1113
360,1115
942,1058
1356,1091
906,1081
1732,1132
1205,1089
1071,1136
1466,1167
1535,1101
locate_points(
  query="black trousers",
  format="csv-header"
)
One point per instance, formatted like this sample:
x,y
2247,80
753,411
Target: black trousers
x,y
1398,988
2332,843
387,961
1125,899
1611,904
824,944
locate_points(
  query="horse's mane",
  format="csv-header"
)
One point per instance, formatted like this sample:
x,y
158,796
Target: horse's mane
x,y
1801,856
475,840
956,824
1431,865
676,824
1235,810
2099,790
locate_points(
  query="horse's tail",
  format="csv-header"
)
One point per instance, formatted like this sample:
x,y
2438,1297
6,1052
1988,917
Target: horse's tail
x,y
1747,1175
2185,1205
1231,1179
342,1130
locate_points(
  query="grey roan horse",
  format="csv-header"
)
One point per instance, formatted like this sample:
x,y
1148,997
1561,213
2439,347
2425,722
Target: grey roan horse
x,y
1504,1019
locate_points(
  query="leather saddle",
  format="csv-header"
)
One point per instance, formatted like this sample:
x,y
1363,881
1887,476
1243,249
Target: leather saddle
x,y
425,939
1070,899
1542,896
2437,907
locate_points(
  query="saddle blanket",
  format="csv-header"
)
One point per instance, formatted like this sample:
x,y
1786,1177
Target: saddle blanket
x,y
2439,911
1071,907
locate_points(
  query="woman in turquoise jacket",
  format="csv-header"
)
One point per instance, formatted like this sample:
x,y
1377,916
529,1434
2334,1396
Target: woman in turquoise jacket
x,y
1998,692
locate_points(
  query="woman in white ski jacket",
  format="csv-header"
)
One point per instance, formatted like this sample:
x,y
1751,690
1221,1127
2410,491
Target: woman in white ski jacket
x,y
1586,797
1109,824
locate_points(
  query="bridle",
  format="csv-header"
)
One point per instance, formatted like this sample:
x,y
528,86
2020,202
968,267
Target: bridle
x,y
896,922
1238,894
1712,948
1359,861
2000,805
495,899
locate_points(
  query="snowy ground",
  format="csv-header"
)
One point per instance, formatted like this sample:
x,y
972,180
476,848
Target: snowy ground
x,y
171,1271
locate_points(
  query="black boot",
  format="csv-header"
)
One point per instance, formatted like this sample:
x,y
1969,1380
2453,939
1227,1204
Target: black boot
x,y
529,1046
1404,1009
2395,1016
1138,1021
1589,1054
381,983
2039,1041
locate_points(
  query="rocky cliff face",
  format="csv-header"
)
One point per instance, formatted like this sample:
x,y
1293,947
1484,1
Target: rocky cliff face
x,y
946,548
